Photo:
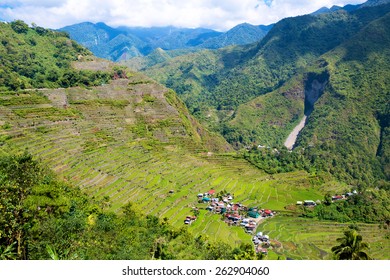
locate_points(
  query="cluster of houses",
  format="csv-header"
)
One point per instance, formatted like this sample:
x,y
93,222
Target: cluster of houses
x,y
261,243
248,219
236,214
311,203
344,196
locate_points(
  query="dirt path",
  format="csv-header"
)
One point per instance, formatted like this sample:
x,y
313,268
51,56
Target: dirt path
x,y
292,138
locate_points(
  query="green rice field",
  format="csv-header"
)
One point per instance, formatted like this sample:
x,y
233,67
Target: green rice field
x,y
148,153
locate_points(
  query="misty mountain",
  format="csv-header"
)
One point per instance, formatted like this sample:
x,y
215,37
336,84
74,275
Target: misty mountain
x,y
126,42
349,7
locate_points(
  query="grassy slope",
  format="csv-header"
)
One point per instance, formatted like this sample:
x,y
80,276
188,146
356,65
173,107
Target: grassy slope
x,y
157,56
216,86
272,116
111,141
93,145
311,239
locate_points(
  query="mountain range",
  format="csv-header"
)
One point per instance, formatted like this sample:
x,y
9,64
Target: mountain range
x,y
350,7
123,43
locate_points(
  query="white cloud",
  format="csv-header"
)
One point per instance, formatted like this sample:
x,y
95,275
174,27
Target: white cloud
x,y
217,14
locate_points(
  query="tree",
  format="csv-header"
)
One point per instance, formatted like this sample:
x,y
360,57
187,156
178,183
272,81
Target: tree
x,y
328,199
8,252
19,26
351,247
247,252
18,174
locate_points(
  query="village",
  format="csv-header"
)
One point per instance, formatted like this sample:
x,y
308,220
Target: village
x,y
235,214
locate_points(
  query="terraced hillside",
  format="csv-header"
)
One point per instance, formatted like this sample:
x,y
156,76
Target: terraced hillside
x,y
310,239
133,140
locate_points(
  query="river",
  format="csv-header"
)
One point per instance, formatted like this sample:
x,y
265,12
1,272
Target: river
x,y
292,138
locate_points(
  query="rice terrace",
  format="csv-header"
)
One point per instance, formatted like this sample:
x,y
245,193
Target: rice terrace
x,y
131,150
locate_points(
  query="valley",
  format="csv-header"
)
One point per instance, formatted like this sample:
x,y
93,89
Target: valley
x,y
294,120
129,149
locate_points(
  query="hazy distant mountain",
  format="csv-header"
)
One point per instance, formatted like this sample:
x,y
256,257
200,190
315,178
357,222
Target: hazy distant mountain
x,y
349,7
126,42
171,37
240,35
105,41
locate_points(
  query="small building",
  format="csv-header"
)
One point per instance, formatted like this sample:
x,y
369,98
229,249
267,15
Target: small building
x,y
253,214
189,220
309,203
337,197
250,227
211,192
299,202
233,217
206,199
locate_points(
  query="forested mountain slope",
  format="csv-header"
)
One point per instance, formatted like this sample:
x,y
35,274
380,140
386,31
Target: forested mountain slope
x,y
280,67
236,75
37,57
346,133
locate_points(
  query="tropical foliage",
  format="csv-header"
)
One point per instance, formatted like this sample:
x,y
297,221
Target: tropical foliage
x,y
369,206
36,58
351,247
280,160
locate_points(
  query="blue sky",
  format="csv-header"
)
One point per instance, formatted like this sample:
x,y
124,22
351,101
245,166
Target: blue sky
x,y
215,14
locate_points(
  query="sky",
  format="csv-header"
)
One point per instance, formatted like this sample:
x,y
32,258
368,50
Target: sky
x,y
215,14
